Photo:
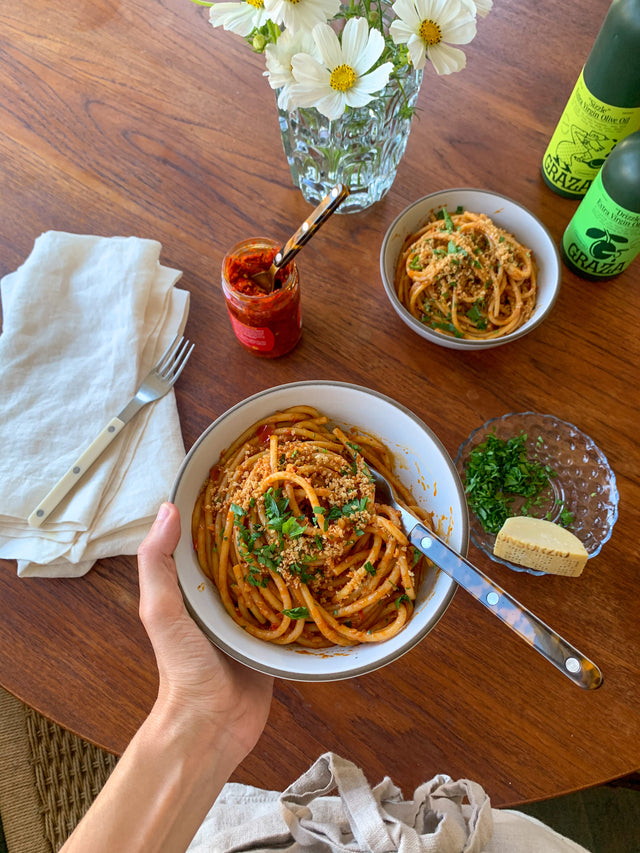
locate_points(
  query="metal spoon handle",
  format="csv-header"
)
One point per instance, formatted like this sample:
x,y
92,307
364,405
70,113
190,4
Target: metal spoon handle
x,y
309,227
526,624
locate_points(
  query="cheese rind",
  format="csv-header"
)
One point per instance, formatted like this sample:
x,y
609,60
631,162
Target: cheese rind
x,y
541,545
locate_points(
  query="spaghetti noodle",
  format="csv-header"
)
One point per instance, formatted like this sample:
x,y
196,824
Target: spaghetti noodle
x,y
288,528
462,275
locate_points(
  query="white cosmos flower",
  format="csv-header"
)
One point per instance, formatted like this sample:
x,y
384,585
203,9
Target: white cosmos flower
x,y
239,18
426,26
341,77
301,14
278,58
483,7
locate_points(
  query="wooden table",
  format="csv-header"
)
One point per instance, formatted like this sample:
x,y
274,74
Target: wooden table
x,y
138,118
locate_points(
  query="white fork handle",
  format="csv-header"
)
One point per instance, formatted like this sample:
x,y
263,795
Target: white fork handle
x,y
77,470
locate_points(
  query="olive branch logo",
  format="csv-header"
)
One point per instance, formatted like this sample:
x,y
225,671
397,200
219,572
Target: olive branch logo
x,y
603,246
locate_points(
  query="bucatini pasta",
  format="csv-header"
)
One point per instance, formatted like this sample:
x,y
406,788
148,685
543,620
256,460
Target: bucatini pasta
x,y
462,275
288,528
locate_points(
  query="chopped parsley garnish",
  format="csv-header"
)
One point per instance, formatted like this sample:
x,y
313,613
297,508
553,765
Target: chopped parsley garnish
x,y
448,221
498,472
334,514
279,517
255,578
476,316
565,517
275,506
357,505
350,508
453,249
249,536
237,511
446,327
292,528
302,571
296,613
267,557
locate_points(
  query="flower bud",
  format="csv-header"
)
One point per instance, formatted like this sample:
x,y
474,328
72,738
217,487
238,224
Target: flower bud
x,y
258,43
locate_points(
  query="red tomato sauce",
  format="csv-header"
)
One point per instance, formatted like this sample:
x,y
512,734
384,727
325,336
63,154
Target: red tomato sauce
x,y
264,432
266,324
241,269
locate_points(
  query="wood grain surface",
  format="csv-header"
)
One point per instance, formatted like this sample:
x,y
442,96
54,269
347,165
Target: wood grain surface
x,y
137,118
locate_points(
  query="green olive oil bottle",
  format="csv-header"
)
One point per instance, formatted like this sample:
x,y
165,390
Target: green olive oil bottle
x,y
604,106
603,237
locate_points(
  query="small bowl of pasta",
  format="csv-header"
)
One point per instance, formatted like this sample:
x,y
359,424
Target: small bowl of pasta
x,y
470,269
287,561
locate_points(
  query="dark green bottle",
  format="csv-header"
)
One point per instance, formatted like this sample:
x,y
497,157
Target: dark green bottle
x,y
603,236
604,106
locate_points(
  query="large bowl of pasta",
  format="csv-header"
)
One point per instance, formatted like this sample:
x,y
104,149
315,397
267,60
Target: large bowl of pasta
x,y
287,560
470,269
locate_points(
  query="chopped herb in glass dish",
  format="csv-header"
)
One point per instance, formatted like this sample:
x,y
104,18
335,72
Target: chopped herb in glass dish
x,y
502,480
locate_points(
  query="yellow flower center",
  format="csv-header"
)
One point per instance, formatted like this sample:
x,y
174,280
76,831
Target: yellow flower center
x,y
259,4
342,78
430,32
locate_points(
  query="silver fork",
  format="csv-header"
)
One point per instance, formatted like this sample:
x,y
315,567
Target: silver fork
x,y
156,384
526,624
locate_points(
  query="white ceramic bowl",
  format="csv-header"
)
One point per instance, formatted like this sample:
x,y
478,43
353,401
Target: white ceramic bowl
x,y
423,465
507,214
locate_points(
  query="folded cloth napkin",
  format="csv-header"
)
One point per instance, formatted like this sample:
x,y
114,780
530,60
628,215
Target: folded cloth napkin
x,y
443,817
84,320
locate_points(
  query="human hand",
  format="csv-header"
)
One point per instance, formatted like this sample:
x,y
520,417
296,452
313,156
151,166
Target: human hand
x,y
194,675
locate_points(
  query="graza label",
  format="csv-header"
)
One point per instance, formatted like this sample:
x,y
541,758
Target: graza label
x,y
602,238
584,138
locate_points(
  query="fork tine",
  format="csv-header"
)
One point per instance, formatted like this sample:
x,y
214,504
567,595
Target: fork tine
x,y
180,358
167,356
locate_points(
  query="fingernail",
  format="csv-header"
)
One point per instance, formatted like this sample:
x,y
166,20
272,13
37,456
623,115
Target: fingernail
x,y
163,512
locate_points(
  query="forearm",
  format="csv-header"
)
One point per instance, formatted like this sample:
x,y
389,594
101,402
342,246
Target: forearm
x,y
161,789
209,714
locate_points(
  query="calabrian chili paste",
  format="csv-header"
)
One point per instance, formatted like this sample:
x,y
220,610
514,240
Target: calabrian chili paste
x,y
266,324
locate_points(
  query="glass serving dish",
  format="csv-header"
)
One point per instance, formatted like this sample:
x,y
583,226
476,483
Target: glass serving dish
x,y
584,485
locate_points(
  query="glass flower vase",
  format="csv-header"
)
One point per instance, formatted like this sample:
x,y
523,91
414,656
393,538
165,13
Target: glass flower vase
x,y
361,149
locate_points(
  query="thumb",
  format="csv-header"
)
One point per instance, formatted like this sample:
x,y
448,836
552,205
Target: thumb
x,y
159,592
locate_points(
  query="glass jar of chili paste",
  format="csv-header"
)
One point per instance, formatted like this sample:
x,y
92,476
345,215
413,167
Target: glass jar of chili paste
x,y
266,324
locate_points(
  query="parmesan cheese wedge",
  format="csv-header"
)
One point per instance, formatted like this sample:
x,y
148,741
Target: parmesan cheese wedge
x,y
541,545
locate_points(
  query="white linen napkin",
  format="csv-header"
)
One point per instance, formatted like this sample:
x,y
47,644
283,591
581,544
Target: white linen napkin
x,y
443,816
84,320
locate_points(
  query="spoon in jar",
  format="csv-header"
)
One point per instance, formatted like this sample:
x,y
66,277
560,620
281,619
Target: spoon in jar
x,y
266,279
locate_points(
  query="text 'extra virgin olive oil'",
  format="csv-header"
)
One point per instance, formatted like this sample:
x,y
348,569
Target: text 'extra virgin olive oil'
x,y
604,106
603,236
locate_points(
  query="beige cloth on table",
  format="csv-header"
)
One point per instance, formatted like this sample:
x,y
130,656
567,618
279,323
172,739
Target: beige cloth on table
x,y
84,320
443,817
